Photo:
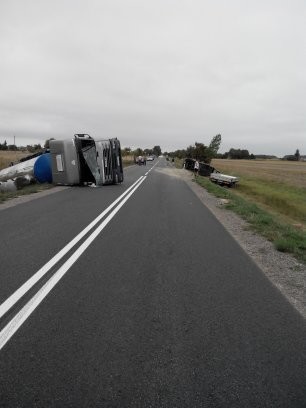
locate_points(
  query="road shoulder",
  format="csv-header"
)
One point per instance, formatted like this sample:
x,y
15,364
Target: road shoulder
x,y
30,197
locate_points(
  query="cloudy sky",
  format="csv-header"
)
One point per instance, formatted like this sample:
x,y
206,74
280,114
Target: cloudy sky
x,y
162,72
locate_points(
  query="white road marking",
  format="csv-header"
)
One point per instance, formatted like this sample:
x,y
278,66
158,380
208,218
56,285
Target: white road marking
x,y
11,328
8,303
152,168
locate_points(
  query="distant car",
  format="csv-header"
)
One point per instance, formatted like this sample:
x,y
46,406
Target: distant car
x,y
140,160
150,158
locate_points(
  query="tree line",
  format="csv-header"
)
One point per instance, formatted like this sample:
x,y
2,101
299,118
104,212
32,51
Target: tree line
x,y
29,148
199,151
207,153
127,151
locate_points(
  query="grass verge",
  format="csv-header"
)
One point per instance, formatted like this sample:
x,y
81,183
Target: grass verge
x,y
288,201
284,237
31,189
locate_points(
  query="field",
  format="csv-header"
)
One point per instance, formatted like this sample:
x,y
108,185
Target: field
x,y
280,171
278,186
6,157
271,197
127,160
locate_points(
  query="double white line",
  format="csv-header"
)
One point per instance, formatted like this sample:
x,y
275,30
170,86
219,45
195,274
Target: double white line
x,y
10,329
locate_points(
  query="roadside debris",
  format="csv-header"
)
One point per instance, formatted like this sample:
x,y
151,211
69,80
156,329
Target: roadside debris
x,y
211,172
223,201
223,179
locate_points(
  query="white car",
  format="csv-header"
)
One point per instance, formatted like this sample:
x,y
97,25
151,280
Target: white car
x,y
150,158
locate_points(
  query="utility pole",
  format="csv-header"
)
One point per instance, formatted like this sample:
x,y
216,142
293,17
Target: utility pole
x,y
16,159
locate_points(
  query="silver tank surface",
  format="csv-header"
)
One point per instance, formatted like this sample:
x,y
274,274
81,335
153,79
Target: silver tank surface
x,y
20,169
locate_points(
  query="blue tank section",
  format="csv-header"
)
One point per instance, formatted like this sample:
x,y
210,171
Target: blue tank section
x,y
42,168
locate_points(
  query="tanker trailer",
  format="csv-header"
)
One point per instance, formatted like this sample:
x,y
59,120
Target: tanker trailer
x,y
27,171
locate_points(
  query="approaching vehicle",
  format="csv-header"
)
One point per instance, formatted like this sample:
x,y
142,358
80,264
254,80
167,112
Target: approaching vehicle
x,y
223,179
150,158
141,160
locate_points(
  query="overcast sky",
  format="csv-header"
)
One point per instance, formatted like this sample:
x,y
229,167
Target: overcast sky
x,y
155,72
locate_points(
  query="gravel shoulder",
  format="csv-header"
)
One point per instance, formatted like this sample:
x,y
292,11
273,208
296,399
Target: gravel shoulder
x,y
283,270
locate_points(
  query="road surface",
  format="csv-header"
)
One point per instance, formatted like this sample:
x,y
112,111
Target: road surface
x,y
134,295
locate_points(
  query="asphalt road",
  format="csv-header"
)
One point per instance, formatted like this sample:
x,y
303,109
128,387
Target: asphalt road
x,y
154,306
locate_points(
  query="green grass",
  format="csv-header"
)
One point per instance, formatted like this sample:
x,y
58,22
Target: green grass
x,y
285,237
31,189
280,197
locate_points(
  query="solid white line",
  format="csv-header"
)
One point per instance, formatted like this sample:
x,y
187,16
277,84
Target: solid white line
x,y
11,328
152,168
8,303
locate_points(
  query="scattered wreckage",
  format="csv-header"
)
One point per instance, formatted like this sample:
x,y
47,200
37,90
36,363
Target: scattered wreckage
x,y
223,179
81,160
214,175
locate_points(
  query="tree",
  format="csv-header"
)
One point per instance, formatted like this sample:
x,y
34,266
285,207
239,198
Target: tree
x,y
157,150
297,155
237,154
3,146
202,153
215,145
37,147
198,151
126,151
12,147
180,154
190,152
30,148
148,152
138,152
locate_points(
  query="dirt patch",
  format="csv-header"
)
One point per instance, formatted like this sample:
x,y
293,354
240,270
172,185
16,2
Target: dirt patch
x,y
283,270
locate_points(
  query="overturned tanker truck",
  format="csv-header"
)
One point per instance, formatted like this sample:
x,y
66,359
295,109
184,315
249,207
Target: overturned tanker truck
x,y
80,160
84,160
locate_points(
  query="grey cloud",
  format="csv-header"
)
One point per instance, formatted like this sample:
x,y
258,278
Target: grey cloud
x,y
164,72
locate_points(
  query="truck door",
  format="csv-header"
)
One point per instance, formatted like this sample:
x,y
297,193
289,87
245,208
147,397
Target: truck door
x,y
117,161
104,160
